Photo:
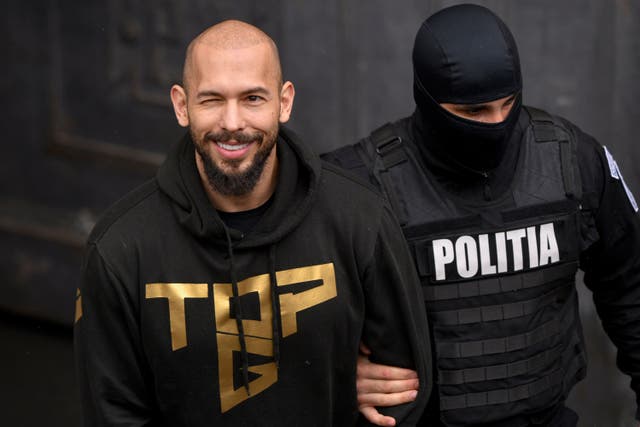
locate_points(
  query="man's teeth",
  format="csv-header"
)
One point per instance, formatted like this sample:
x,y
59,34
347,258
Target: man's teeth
x,y
234,147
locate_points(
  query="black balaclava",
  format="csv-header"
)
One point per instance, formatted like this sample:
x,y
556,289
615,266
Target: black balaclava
x,y
465,55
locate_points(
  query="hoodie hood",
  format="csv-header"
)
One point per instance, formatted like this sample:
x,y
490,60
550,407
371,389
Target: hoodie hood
x,y
299,171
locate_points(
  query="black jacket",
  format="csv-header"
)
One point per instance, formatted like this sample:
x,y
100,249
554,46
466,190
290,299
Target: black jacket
x,y
187,323
610,227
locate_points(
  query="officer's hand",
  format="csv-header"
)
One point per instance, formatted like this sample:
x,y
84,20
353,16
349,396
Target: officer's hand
x,y
382,385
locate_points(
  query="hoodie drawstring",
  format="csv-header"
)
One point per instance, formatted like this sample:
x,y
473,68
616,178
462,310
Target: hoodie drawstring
x,y
275,305
238,311
275,310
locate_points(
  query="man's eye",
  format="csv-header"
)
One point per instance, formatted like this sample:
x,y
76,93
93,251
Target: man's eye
x,y
254,98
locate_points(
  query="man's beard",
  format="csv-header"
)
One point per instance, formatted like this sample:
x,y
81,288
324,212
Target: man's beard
x,y
237,183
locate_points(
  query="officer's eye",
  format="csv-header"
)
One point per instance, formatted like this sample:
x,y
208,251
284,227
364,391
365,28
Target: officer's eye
x,y
474,111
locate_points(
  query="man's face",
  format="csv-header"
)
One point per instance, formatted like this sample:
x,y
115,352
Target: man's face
x,y
233,104
487,112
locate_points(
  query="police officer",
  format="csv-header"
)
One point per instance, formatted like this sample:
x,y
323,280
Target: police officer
x,y
501,204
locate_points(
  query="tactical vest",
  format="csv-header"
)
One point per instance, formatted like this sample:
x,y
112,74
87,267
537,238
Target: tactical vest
x,y
498,278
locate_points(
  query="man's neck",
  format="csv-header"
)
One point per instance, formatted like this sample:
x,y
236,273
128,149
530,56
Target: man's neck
x,y
263,190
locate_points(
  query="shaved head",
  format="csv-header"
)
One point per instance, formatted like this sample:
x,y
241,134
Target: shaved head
x,y
229,35
233,101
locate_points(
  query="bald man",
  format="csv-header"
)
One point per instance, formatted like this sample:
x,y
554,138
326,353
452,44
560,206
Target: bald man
x,y
230,289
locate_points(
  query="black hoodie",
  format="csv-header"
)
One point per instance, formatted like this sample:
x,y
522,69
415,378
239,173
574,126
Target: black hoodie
x,y
184,322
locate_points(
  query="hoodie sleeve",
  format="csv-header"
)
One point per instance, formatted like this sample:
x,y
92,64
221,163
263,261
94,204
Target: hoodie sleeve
x,y
110,365
611,261
396,328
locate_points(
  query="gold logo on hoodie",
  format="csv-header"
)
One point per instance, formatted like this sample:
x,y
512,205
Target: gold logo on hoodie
x,y
258,332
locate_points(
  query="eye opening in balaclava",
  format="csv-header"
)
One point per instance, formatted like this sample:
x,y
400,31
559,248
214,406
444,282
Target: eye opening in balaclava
x,y
465,55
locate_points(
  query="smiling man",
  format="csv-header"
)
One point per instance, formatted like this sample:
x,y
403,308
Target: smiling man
x,y
232,92
234,288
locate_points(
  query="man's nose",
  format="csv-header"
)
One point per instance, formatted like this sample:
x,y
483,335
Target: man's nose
x,y
231,118
498,115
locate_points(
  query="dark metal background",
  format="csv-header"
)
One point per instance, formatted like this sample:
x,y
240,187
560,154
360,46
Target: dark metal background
x,y
86,117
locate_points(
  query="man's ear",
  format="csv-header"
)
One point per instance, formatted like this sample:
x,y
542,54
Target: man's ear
x,y
179,101
287,94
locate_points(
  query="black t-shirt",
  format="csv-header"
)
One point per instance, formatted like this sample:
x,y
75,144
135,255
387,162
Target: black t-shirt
x,y
244,221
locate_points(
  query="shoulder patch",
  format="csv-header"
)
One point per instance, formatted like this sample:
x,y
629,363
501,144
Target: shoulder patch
x,y
615,172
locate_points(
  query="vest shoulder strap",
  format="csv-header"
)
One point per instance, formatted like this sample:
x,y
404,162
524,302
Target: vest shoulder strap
x,y
388,145
389,152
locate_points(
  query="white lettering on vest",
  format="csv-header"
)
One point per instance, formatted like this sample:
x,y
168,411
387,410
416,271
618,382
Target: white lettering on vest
x,y
442,255
516,237
472,255
466,256
549,252
533,247
501,252
486,267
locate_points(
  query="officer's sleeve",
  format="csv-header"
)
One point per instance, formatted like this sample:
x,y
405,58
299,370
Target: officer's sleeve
x,y
108,354
396,328
611,261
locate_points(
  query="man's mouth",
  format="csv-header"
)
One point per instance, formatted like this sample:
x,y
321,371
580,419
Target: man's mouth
x,y
233,147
